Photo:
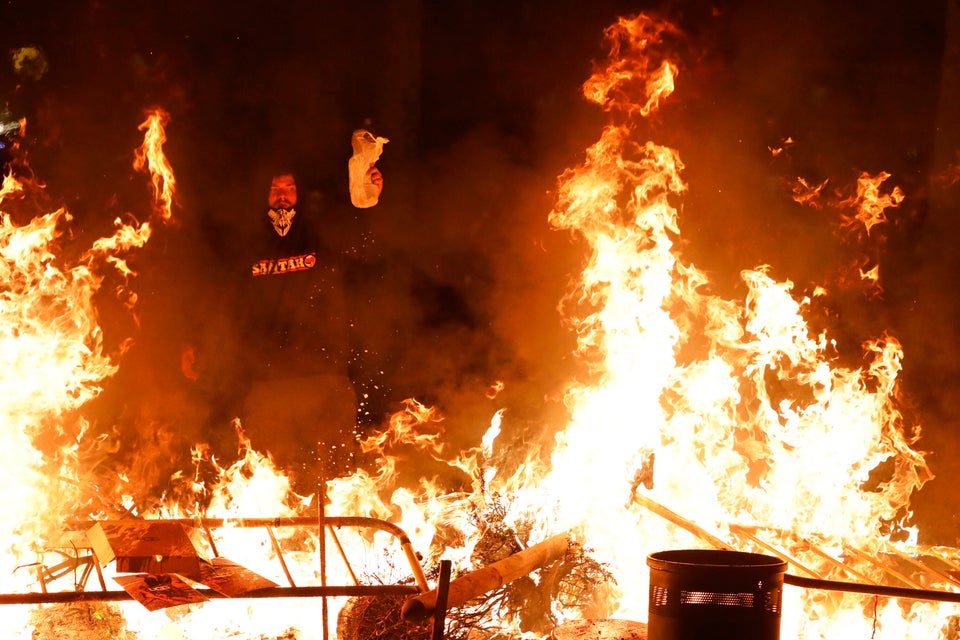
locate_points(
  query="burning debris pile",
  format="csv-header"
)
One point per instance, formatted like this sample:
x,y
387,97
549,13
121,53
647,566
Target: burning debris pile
x,y
527,603
378,618
735,414
80,621
54,362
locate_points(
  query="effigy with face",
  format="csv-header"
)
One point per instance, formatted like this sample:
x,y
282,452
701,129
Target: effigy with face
x,y
282,203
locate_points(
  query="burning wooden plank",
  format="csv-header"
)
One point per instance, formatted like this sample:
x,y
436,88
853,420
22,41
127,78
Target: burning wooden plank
x,y
476,583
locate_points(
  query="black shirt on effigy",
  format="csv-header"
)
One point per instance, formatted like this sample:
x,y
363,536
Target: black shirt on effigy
x,y
292,301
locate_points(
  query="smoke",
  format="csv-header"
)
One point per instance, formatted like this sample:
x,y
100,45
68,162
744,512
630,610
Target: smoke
x,y
458,279
459,276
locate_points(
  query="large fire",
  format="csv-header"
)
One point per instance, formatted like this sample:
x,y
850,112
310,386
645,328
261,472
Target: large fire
x,y
734,414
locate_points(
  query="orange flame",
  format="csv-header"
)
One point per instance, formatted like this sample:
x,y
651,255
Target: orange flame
x,y
630,69
807,194
870,204
54,362
748,417
776,151
729,411
149,157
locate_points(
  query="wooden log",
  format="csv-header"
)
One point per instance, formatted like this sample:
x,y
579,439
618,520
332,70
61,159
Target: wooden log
x,y
476,583
681,522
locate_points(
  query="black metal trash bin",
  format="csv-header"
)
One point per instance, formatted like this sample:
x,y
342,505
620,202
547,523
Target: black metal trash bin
x,y
721,595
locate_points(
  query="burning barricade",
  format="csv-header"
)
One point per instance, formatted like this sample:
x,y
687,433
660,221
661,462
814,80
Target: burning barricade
x,y
699,421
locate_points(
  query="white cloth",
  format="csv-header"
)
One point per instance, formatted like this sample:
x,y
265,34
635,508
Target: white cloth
x,y
367,149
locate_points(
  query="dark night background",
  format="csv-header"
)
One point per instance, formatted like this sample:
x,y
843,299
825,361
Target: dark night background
x,y
482,106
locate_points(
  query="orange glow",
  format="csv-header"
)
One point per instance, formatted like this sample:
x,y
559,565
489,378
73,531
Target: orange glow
x,y
747,415
948,177
731,412
53,363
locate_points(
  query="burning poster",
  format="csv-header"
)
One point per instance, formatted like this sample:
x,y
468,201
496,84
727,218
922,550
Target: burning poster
x,y
148,546
159,590
230,579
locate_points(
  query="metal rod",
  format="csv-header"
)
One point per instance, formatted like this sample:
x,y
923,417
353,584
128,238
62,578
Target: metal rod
x,y
85,575
96,566
279,552
302,521
55,597
883,567
743,531
952,563
322,538
213,545
281,521
41,570
343,554
921,565
415,566
443,590
840,565
871,589
680,521
817,583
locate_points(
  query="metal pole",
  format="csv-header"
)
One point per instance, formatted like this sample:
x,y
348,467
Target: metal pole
x,y
322,524
872,589
55,597
440,611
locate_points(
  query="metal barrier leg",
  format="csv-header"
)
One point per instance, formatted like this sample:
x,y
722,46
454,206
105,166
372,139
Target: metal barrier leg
x,y
440,612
